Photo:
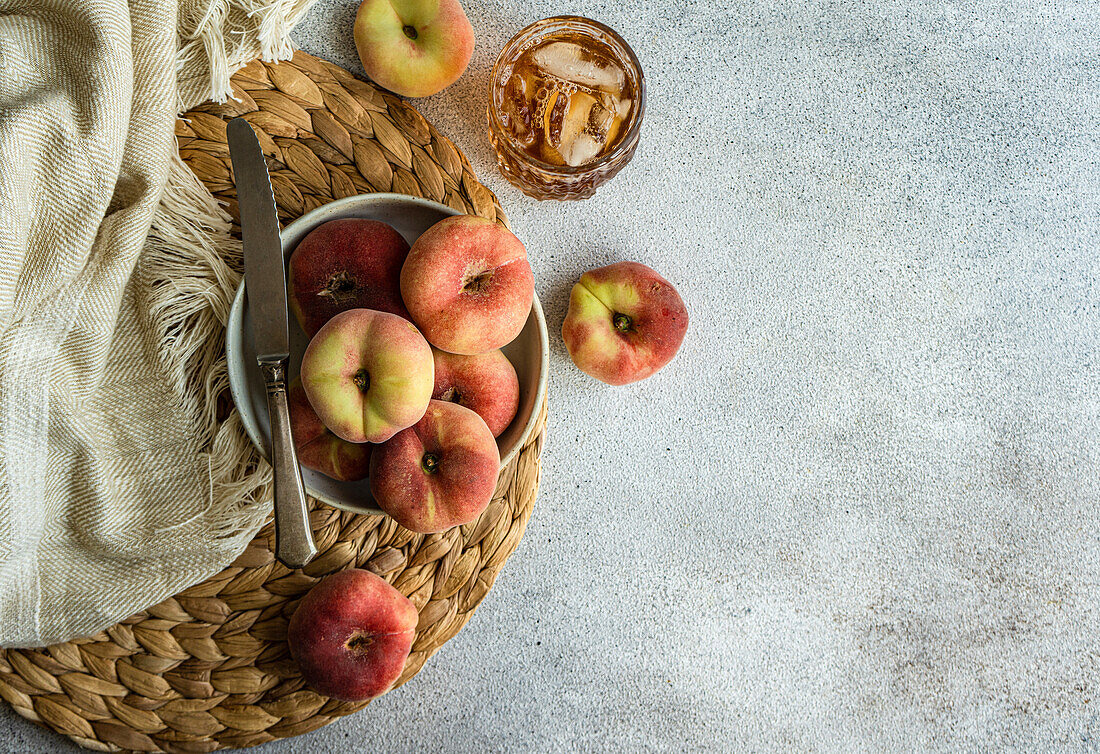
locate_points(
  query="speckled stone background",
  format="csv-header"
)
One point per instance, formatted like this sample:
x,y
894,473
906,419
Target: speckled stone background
x,y
860,510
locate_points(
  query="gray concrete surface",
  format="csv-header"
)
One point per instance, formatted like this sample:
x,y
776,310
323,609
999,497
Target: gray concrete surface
x,y
859,511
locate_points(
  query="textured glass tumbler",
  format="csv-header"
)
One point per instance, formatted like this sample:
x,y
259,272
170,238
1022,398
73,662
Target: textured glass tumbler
x,y
533,175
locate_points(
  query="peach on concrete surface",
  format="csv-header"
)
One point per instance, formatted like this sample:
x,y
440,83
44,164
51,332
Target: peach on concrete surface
x,y
624,323
413,47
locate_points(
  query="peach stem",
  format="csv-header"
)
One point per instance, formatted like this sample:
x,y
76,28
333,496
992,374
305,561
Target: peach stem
x,y
479,283
362,380
358,643
340,287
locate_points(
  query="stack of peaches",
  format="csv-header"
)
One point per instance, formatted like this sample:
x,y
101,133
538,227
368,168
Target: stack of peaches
x,y
403,380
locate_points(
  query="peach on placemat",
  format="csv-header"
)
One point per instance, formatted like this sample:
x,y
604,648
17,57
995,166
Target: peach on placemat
x,y
351,635
624,323
439,473
485,383
368,375
468,285
352,263
413,47
318,448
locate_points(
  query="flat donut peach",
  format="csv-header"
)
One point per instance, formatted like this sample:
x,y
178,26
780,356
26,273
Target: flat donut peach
x,y
468,285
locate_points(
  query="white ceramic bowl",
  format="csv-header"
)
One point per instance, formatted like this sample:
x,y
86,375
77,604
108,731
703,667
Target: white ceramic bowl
x,y
529,353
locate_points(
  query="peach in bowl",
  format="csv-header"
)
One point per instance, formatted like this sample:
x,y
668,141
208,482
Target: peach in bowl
x,y
410,216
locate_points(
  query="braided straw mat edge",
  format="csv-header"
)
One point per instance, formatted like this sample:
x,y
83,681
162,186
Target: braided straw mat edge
x,y
209,668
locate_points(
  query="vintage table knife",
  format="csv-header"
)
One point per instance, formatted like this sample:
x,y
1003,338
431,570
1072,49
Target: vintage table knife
x,y
265,286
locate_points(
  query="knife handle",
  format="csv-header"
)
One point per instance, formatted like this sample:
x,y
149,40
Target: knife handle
x,y
293,539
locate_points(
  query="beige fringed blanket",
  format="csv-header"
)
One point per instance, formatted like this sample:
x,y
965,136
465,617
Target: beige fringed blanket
x,y
118,487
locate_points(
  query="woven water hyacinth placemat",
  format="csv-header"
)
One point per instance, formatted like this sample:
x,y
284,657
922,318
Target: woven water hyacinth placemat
x,y
209,668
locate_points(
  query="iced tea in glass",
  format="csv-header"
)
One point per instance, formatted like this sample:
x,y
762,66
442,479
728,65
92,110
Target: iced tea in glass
x,y
566,102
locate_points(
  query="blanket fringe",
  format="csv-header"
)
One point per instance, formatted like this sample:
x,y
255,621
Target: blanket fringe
x,y
219,37
191,261
190,269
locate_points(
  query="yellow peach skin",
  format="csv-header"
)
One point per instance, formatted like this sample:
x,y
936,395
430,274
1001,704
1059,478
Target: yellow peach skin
x,y
624,323
413,47
318,448
368,375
